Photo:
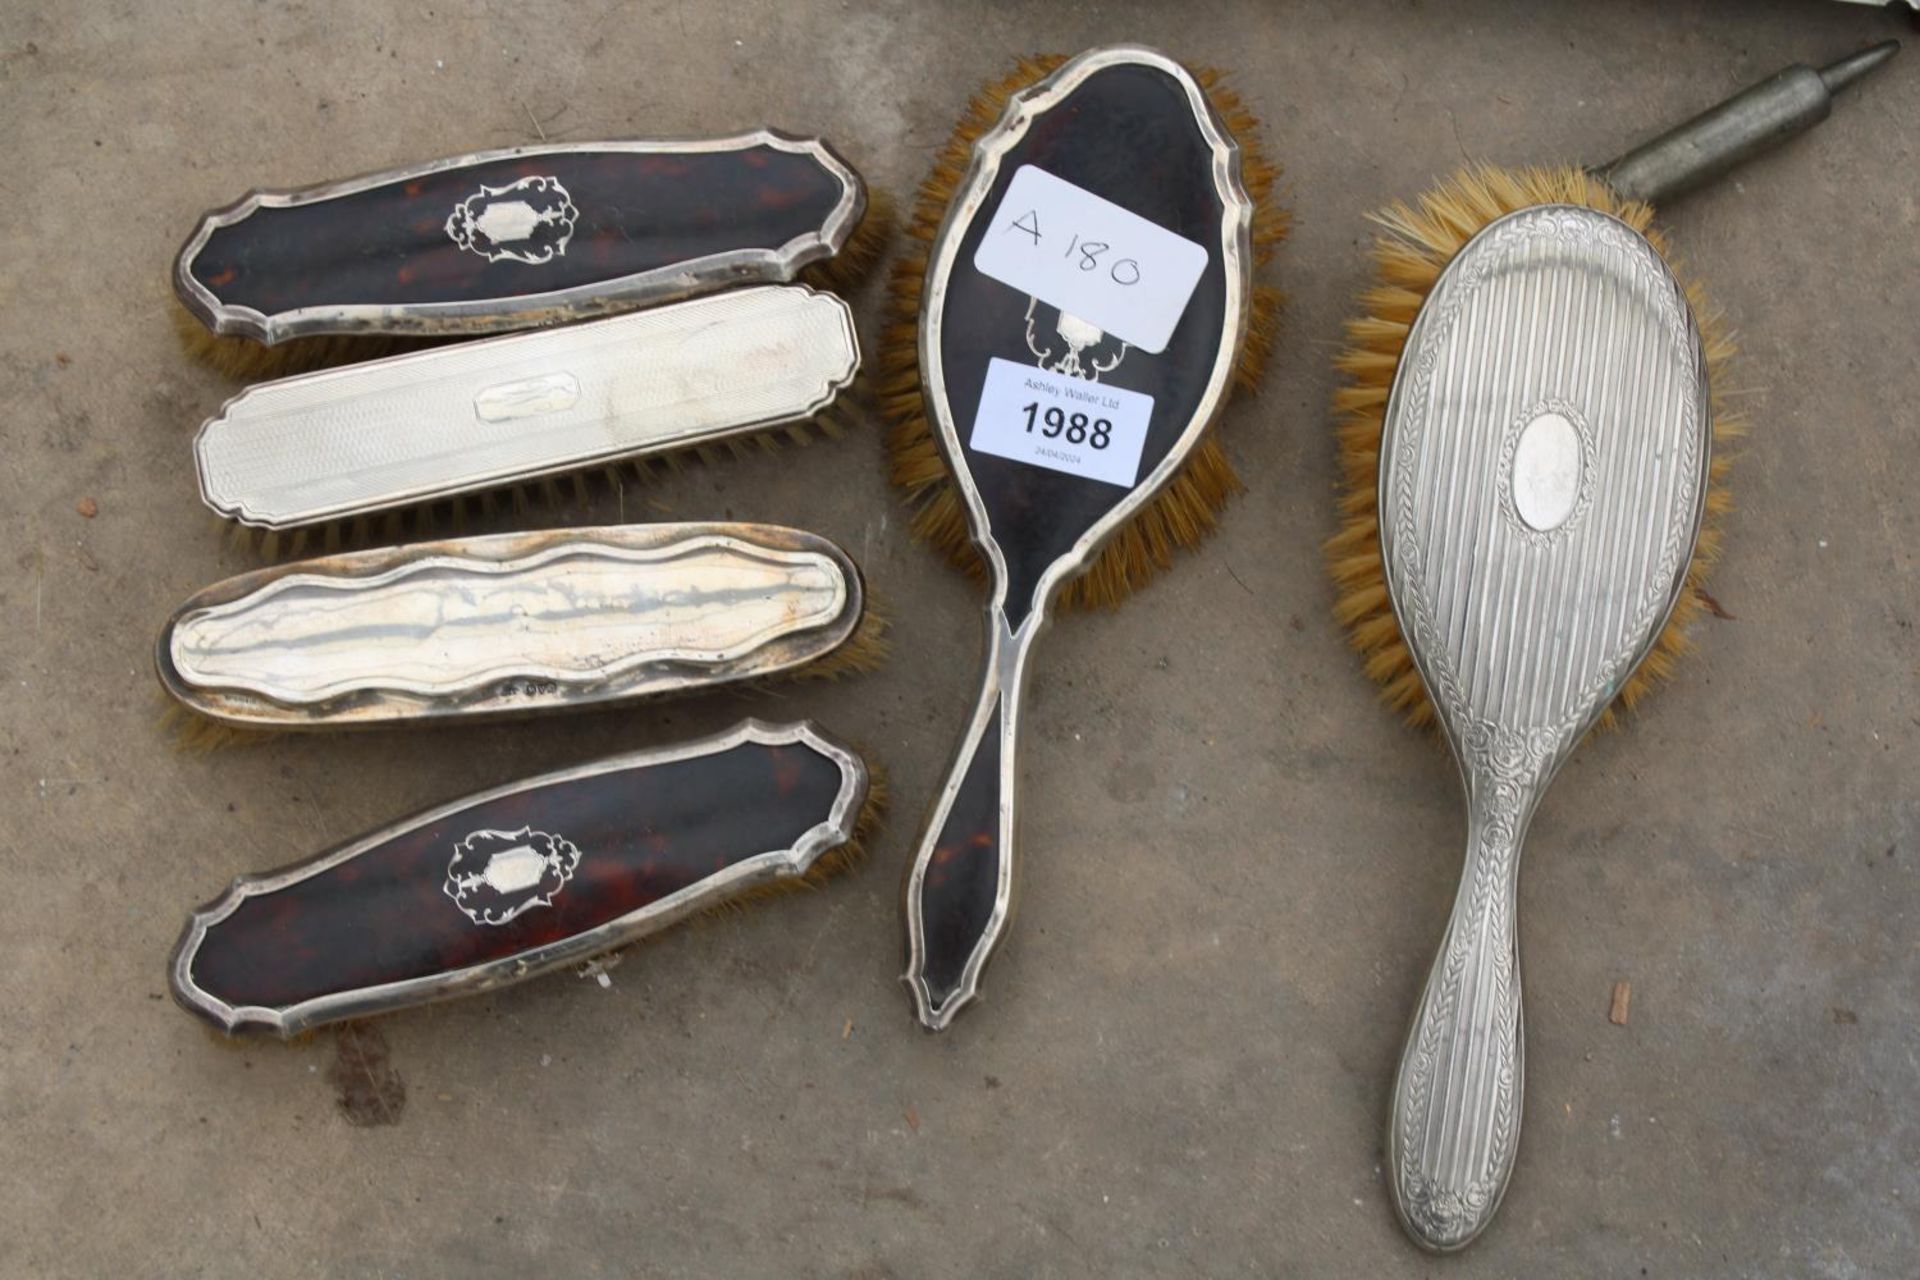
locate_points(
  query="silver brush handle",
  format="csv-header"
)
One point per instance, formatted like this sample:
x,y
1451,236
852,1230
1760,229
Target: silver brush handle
x,y
958,896
1456,1101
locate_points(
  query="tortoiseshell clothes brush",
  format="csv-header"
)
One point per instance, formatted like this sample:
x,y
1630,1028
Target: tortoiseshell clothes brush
x,y
525,878
527,237
1083,308
1528,435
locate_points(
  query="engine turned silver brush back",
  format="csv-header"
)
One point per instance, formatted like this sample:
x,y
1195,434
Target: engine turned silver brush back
x,y
461,419
1542,479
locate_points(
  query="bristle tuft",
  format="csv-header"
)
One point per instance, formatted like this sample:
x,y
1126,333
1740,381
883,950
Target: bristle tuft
x,y
556,493
246,360
853,266
866,649
189,731
1416,242
830,864
250,1036
1186,510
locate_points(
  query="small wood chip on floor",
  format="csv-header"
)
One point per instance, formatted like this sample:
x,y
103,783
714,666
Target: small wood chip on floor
x,y
1622,997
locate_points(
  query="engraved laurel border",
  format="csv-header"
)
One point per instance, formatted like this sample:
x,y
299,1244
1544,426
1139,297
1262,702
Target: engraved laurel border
x,y
1406,582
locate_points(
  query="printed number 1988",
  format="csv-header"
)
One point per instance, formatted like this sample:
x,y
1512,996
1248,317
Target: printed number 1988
x,y
1098,432
1071,425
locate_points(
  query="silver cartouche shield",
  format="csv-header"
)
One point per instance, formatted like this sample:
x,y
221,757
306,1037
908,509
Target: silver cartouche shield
x,y
458,419
1542,477
508,623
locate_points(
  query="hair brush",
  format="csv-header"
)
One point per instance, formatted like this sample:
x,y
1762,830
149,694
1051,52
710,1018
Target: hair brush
x,y
497,887
1527,437
512,624
1083,309
283,281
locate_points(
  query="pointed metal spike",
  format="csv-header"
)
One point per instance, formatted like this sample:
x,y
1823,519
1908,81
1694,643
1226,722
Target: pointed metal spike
x,y
1753,121
1855,67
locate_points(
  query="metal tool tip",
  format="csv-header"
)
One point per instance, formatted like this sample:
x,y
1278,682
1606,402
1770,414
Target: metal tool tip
x,y
1857,66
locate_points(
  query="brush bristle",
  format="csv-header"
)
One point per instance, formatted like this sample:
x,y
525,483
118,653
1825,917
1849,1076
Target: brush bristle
x,y
1417,241
452,516
826,866
1181,514
850,268
249,1036
845,857
189,731
245,360
867,649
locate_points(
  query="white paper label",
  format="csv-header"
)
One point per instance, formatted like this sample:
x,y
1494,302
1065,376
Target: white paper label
x,y
1090,258
1064,424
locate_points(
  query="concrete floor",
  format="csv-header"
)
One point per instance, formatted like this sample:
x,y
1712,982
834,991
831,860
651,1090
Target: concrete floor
x,y
1237,864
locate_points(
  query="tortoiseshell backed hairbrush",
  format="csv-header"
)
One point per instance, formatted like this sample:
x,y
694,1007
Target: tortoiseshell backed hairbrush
x,y
521,879
1084,305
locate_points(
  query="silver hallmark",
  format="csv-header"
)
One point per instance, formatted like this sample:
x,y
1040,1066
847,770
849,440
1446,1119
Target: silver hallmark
x,y
508,624
495,876
459,419
527,221
1542,478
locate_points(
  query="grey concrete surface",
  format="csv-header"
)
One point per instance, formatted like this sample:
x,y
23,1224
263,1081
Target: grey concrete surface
x,y
1237,863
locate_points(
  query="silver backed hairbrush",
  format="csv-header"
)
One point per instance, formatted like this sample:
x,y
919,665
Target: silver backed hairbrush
x,y
1530,417
1542,480
515,623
